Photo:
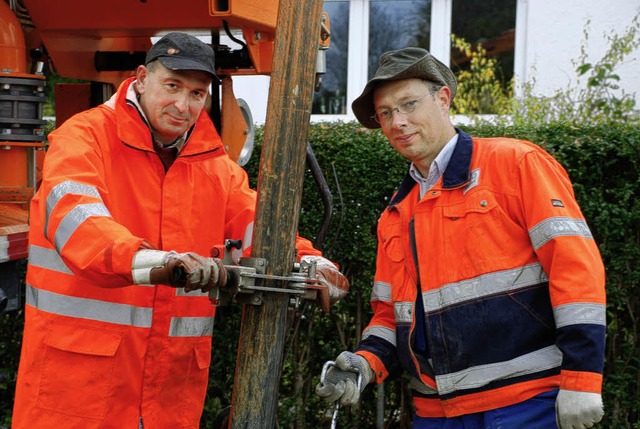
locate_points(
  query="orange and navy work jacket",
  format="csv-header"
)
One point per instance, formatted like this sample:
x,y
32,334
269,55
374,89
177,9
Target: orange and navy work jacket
x,y
490,289
99,352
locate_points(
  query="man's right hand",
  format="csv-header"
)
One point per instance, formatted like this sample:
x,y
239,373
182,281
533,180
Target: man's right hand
x,y
188,270
341,380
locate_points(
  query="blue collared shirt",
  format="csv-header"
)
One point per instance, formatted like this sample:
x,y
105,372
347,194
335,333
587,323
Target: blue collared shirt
x,y
436,169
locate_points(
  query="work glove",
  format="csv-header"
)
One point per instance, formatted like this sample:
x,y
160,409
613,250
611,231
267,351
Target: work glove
x,y
341,381
578,410
332,284
188,270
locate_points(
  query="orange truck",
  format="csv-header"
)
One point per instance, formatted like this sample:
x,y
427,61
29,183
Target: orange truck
x,y
99,44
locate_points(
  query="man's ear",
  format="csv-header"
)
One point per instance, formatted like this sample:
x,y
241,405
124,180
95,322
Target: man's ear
x,y
142,73
444,96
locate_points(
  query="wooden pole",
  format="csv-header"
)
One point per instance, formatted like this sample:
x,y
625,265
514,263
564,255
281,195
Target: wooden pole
x,y
280,178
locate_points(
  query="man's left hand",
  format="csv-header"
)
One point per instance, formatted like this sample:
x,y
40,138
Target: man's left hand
x,y
333,285
578,410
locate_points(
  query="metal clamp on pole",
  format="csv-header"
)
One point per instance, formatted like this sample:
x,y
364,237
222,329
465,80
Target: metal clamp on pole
x,y
246,280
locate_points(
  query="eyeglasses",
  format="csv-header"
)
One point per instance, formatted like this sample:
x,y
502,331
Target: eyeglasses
x,y
384,116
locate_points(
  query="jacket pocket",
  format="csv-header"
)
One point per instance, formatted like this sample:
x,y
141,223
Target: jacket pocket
x,y
77,371
474,234
392,242
195,387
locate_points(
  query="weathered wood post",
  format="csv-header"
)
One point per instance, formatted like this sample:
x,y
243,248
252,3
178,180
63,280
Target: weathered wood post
x,y
280,178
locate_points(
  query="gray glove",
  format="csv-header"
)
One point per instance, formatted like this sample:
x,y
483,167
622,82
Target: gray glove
x,y
578,410
188,270
341,380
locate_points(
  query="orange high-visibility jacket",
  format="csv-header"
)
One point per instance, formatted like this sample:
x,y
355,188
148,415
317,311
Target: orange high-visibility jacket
x,y
507,298
99,352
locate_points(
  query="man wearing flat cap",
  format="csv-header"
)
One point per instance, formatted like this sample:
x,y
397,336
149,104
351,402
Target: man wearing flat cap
x,y
489,287
134,192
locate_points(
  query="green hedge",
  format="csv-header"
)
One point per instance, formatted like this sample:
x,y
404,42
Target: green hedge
x,y
363,171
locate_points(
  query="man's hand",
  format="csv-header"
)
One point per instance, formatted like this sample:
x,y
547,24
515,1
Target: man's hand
x,y
341,381
333,285
188,270
578,410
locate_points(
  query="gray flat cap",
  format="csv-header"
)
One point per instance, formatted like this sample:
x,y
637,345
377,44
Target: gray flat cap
x,y
405,63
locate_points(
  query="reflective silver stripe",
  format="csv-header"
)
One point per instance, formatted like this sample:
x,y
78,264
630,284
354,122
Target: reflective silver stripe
x,y
191,327
573,314
482,286
91,309
194,293
381,291
478,376
474,179
62,189
47,258
403,311
554,227
383,332
4,248
74,219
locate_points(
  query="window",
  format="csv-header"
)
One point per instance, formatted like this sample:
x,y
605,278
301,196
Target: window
x,y
332,97
395,24
490,23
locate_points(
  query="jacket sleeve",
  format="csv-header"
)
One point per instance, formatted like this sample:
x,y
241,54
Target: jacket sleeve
x,y
569,255
75,218
378,344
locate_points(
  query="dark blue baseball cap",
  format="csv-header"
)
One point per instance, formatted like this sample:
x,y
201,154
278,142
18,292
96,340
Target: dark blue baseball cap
x,y
182,51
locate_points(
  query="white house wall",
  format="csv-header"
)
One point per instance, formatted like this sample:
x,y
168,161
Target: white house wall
x,y
549,34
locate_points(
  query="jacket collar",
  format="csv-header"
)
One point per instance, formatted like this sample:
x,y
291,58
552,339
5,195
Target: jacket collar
x,y
457,173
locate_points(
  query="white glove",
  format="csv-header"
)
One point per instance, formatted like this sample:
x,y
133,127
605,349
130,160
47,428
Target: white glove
x,y
341,381
333,286
578,410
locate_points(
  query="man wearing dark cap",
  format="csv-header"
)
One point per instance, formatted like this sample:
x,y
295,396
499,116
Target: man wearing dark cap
x,y
133,192
489,287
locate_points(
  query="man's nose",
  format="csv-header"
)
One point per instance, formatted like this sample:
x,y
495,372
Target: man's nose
x,y
182,102
397,117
